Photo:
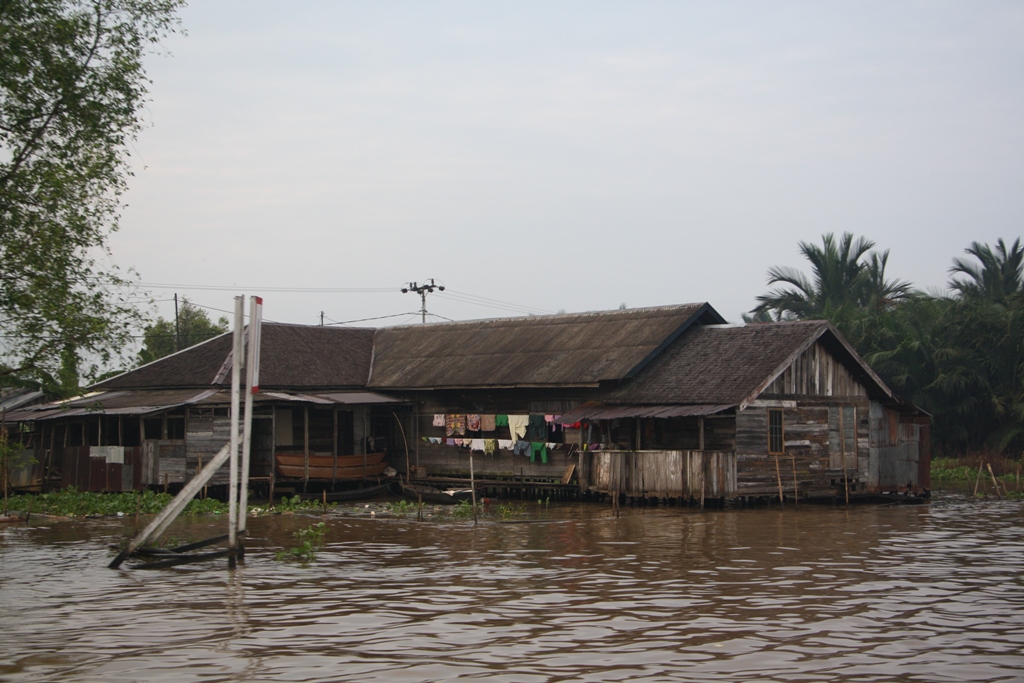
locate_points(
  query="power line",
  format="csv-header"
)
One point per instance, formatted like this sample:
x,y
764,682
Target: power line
x,y
234,288
380,317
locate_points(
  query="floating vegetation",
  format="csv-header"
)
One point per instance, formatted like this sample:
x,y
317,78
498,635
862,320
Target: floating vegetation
x,y
310,539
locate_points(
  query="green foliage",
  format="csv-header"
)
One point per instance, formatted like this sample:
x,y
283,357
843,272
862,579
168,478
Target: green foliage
x,y
401,508
71,502
310,539
464,510
510,510
194,326
72,89
205,506
959,357
296,504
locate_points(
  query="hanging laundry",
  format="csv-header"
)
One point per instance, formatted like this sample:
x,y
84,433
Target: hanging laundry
x,y
425,438
487,423
505,444
574,425
517,426
490,445
551,446
540,449
459,442
538,428
454,425
473,423
439,419
436,439
550,419
476,444
521,448
449,442
501,420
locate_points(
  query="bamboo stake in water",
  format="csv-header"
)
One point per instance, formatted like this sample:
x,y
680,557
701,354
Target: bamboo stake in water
x,y
995,482
778,477
796,497
472,485
977,480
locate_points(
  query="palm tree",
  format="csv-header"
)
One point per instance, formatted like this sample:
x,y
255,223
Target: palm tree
x,y
843,281
1000,275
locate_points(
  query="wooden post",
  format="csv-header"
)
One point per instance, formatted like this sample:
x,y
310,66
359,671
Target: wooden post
x,y
334,450
472,485
700,430
778,477
305,447
236,389
405,442
703,479
271,492
251,387
199,468
995,482
977,480
846,480
796,496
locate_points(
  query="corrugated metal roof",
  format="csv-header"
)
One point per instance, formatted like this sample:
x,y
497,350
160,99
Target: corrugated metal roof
x,y
291,357
603,411
144,402
113,403
559,350
730,365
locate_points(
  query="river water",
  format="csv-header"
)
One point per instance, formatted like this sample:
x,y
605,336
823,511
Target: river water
x,y
909,593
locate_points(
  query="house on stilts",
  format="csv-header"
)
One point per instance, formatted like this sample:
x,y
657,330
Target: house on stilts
x,y
667,402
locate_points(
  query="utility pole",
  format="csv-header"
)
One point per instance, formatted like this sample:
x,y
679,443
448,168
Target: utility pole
x,y
321,318
427,287
177,329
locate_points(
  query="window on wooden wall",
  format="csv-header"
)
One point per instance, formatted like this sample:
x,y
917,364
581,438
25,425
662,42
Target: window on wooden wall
x,y
775,431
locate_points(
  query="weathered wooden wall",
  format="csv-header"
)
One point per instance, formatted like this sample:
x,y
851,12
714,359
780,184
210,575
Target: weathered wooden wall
x,y
102,468
815,448
660,474
816,372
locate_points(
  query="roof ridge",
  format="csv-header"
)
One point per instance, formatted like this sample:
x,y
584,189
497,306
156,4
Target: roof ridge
x,y
548,316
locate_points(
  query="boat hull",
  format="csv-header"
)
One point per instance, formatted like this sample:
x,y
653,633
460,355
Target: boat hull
x,y
293,466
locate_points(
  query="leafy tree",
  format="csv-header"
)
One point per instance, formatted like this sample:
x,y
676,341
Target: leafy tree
x,y
71,90
998,277
194,326
846,276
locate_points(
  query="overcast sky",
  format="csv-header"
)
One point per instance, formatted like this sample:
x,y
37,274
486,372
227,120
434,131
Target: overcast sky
x,y
566,155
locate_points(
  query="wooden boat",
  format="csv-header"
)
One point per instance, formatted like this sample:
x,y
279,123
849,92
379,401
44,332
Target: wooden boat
x,y
436,496
293,466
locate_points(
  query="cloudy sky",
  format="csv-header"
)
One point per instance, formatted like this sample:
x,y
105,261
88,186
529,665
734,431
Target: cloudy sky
x,y
546,156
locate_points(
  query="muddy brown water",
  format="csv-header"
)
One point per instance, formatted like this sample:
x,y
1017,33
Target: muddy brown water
x,y
924,593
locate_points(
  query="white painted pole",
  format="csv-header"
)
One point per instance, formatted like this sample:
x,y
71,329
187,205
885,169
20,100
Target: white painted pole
x,y
236,372
252,360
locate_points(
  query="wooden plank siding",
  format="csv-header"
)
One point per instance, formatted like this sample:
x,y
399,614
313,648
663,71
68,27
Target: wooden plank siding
x,y
825,417
816,372
660,474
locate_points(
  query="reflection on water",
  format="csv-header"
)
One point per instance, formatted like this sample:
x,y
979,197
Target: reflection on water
x,y
929,593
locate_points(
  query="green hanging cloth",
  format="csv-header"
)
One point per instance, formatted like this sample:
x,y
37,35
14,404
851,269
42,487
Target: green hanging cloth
x,y
501,420
539,448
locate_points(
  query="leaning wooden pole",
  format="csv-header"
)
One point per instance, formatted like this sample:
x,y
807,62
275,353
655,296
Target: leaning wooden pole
x,y
174,508
236,381
977,480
